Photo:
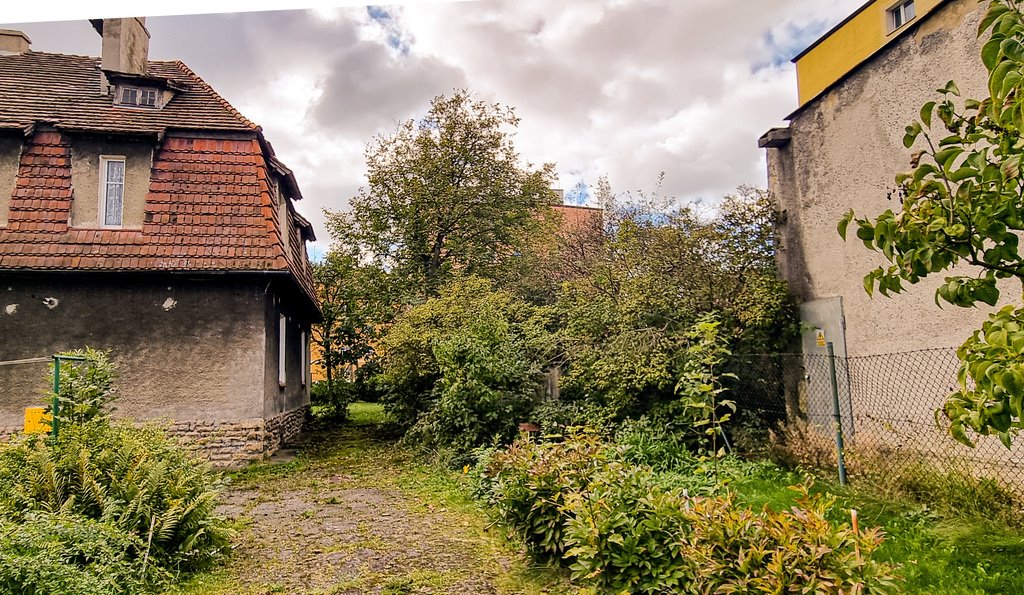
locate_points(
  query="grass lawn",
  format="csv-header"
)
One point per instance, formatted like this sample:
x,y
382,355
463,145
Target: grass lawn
x,y
940,552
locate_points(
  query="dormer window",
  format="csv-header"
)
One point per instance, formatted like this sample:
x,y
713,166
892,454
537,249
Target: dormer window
x,y
136,97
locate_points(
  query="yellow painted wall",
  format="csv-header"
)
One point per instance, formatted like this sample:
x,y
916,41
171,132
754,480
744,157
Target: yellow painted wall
x,y
316,369
851,43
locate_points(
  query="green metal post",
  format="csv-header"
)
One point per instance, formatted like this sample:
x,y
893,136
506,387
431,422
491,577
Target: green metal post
x,y
55,410
836,414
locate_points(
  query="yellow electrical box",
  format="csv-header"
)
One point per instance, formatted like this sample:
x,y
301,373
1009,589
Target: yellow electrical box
x,y
37,421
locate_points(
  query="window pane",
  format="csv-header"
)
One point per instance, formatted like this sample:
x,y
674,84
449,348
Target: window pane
x,y
112,211
908,11
114,198
115,172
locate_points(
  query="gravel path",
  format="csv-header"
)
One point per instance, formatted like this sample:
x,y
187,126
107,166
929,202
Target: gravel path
x,y
353,513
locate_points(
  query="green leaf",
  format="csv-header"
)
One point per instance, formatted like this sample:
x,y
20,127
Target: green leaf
x,y
844,223
990,54
913,131
995,11
945,157
988,294
926,113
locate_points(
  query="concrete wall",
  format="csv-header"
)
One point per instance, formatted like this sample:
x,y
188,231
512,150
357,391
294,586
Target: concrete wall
x,y
845,150
186,349
85,179
10,158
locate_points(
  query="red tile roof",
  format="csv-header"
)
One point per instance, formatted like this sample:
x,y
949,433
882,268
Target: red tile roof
x,y
65,91
209,207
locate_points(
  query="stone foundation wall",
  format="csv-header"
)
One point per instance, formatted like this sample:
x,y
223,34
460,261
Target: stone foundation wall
x,y
282,428
234,444
227,444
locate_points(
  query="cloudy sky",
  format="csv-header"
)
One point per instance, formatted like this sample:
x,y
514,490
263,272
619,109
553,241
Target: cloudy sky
x,y
623,88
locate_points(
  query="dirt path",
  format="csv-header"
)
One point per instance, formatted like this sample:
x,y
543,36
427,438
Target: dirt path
x,y
353,513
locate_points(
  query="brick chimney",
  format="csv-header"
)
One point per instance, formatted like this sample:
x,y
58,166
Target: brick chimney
x,y
125,44
13,42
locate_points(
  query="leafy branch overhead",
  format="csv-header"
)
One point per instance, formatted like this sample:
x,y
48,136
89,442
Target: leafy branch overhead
x,y
963,204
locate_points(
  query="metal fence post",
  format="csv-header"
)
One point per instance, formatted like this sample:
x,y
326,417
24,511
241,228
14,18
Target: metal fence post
x,y
836,414
55,410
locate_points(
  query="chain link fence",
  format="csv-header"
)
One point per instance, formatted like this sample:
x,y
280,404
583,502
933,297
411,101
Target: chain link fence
x,y
887,405
26,376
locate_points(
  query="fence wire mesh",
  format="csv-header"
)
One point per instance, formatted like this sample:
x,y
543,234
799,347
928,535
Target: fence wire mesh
x,y
887,407
25,376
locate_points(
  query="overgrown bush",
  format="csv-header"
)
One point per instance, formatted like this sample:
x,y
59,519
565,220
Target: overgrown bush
x,y
529,485
134,479
332,400
658,445
658,270
624,527
86,386
559,417
464,367
46,553
630,535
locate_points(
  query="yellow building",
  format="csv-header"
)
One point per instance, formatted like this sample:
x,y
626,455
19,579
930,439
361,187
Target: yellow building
x,y
859,37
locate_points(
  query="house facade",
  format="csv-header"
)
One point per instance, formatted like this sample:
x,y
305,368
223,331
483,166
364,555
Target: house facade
x,y
141,213
860,85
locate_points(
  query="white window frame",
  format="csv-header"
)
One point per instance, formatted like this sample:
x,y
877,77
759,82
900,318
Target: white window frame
x,y
126,90
104,160
897,17
143,94
305,357
282,330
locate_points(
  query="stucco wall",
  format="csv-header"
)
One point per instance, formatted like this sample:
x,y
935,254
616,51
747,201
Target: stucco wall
x,y
85,180
845,150
10,157
186,349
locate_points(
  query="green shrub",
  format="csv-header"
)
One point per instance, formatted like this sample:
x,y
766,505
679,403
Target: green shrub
x,y
332,400
529,485
464,367
627,535
86,387
51,553
646,442
631,535
557,417
135,480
